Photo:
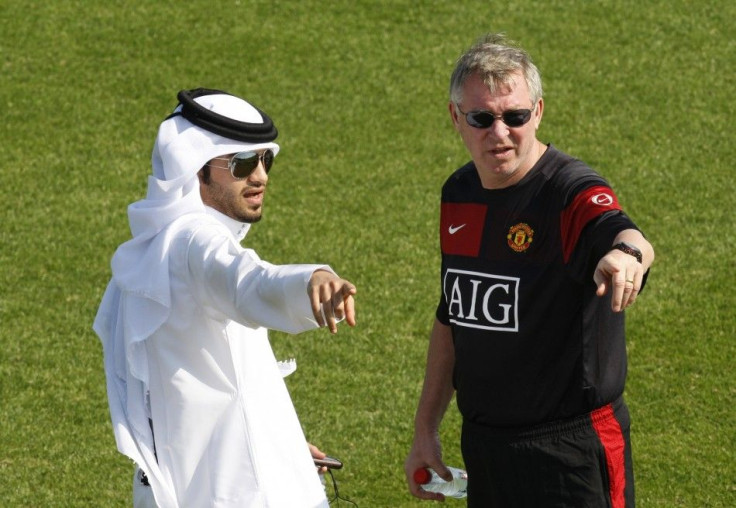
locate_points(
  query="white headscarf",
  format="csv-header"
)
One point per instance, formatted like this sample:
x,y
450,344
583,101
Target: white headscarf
x,y
137,300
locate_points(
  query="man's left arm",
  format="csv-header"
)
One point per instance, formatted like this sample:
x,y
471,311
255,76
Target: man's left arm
x,y
621,271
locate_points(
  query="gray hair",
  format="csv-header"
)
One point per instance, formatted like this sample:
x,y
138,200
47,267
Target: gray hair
x,y
495,59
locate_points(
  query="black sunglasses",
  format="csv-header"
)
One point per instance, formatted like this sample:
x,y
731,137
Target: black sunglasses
x,y
483,119
242,164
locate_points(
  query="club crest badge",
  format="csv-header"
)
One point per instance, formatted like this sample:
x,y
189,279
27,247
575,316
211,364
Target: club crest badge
x,y
520,237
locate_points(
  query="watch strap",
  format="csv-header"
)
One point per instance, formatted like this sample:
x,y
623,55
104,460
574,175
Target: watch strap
x,y
629,249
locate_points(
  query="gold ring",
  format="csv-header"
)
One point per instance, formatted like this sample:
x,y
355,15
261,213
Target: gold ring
x,y
630,281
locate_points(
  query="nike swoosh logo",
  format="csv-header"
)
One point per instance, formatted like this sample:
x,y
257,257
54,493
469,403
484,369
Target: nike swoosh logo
x,y
452,229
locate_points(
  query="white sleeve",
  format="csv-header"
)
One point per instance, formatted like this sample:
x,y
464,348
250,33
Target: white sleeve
x,y
237,283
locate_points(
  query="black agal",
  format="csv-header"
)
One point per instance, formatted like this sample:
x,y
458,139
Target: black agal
x,y
223,125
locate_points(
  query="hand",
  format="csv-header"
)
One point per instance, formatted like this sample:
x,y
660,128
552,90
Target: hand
x,y
425,452
317,454
621,273
332,299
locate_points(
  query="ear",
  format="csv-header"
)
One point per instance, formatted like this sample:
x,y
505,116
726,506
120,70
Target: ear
x,y
538,112
204,175
454,115
204,188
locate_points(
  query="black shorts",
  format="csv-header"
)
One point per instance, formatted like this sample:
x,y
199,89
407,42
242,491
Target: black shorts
x,y
581,462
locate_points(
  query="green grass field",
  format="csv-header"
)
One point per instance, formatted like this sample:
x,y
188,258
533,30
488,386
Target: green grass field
x,y
358,90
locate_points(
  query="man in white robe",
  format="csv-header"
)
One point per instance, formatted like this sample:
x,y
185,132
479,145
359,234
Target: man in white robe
x,y
197,398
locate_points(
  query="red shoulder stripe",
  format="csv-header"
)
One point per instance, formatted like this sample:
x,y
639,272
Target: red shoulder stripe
x,y
588,205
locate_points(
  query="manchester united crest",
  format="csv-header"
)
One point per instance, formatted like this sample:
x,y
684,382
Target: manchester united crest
x,y
520,236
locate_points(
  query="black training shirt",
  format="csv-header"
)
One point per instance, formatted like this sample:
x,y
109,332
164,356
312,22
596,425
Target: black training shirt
x,y
533,343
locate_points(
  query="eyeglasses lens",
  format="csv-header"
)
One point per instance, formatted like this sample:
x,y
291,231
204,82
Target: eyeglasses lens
x,y
484,119
244,163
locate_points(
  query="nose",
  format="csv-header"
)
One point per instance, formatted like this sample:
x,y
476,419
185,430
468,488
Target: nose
x,y
259,174
498,129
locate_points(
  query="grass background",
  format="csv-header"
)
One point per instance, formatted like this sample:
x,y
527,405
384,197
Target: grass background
x,y
640,90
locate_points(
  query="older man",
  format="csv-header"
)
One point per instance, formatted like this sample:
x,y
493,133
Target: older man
x,y
538,263
196,396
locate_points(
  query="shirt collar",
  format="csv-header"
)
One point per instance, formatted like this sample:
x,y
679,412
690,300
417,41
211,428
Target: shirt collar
x,y
237,228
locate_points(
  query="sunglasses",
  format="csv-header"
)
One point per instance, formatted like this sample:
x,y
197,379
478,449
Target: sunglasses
x,y
242,164
483,119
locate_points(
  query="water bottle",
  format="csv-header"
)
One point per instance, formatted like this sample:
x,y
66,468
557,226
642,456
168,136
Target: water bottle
x,y
431,482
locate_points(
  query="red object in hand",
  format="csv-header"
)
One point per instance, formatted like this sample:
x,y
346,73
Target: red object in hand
x,y
422,476
430,481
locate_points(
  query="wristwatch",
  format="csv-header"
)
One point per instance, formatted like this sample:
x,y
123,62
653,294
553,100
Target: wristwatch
x,y
629,249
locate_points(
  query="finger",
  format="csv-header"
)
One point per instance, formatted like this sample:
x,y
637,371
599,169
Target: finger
x,y
348,290
316,304
326,292
443,472
602,289
632,298
630,282
423,494
338,305
625,289
350,310
601,281
417,491
635,283
431,496
341,304
619,292
332,322
316,452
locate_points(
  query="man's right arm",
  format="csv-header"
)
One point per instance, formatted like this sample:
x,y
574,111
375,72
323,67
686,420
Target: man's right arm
x,y
236,283
436,395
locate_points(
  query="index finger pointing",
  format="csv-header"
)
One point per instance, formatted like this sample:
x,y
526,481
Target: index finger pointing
x,y
350,310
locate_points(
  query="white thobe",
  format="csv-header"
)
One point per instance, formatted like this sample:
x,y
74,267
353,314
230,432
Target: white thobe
x,y
226,432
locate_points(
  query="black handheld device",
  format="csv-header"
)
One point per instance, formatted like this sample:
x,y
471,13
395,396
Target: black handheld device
x,y
328,462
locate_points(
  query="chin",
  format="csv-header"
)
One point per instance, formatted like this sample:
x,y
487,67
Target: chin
x,y
248,215
251,219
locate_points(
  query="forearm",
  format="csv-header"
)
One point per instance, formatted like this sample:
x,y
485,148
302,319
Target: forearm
x,y
437,390
426,450
239,285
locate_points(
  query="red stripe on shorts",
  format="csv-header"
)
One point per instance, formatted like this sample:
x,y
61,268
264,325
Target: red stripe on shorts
x,y
612,439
